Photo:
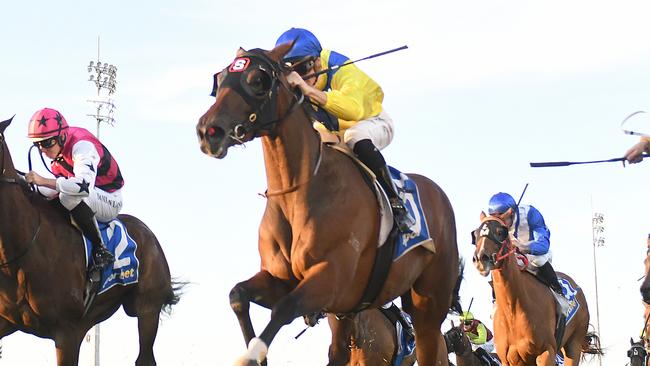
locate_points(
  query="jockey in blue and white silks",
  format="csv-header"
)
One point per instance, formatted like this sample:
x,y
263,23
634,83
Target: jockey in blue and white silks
x,y
529,233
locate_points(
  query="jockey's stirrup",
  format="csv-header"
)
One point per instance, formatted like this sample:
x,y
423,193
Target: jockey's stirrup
x,y
402,217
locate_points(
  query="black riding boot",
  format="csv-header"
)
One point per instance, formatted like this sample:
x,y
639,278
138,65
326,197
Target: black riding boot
x,y
548,276
370,155
84,216
485,357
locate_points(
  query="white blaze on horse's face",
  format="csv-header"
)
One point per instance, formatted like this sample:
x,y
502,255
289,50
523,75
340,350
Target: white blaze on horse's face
x,y
481,261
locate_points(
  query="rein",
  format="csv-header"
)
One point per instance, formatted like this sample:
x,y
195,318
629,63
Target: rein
x,y
19,182
263,119
294,187
505,248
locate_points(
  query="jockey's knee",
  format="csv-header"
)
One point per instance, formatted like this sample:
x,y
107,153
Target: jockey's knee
x,y
69,201
352,136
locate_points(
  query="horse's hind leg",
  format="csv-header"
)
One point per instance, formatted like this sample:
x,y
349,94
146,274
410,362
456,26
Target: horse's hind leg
x,y
67,347
573,351
427,318
147,330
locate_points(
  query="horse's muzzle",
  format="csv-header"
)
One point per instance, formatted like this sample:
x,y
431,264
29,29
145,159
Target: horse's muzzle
x,y
212,141
483,263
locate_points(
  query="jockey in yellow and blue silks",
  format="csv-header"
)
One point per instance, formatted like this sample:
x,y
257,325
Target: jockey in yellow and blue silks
x,y
529,233
349,102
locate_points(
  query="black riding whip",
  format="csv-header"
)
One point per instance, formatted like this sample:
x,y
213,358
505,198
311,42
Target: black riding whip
x,y
351,62
567,163
522,194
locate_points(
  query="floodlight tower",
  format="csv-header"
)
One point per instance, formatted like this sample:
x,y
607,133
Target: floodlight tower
x,y
598,240
103,76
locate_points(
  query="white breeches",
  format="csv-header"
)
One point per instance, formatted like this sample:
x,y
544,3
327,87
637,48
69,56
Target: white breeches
x,y
379,129
106,205
488,346
540,260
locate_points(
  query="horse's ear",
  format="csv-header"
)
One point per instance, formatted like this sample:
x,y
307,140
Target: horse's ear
x,y
281,50
240,52
5,123
631,341
483,215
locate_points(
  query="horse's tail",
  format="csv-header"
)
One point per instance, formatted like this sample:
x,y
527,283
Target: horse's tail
x,y
174,295
591,345
456,307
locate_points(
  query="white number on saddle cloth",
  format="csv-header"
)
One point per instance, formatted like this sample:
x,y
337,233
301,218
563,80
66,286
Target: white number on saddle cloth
x,y
417,227
119,250
239,64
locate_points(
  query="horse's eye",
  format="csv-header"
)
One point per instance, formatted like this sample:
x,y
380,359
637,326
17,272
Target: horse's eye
x,y
259,83
501,233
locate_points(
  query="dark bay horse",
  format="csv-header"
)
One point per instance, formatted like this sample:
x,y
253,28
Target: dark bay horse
x,y
43,273
368,338
637,353
525,317
318,236
458,343
645,288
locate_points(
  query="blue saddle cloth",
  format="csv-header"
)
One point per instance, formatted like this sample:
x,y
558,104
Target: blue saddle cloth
x,y
571,295
410,196
125,268
405,344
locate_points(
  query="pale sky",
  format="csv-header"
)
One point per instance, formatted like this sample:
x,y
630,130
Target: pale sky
x,y
485,88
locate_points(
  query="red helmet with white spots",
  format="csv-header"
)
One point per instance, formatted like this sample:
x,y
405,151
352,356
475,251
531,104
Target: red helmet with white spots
x,y
46,123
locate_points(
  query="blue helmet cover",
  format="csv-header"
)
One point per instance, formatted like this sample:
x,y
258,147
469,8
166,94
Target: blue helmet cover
x,y
306,43
500,203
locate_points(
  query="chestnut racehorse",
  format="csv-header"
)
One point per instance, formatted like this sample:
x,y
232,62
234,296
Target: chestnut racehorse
x,y
525,317
43,271
318,236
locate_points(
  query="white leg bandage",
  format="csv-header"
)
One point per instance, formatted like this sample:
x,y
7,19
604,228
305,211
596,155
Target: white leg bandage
x,y
257,350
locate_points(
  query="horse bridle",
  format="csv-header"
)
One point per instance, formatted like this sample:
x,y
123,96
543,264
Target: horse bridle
x,y
18,181
264,103
486,230
637,350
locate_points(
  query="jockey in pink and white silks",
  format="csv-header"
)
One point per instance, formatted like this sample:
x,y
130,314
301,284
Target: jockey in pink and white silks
x,y
88,180
529,233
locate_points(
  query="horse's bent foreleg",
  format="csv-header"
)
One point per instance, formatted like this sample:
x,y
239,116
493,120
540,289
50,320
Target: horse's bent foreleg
x,y
310,296
262,289
67,347
339,351
147,330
